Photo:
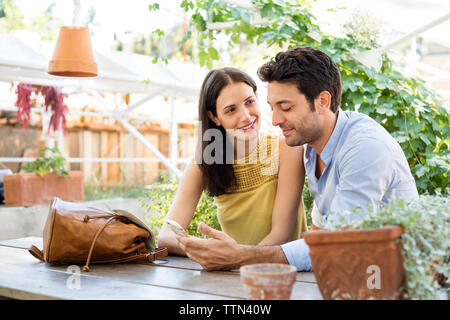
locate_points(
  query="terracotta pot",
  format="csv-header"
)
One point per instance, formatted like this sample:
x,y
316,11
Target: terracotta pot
x,y
357,264
27,189
187,126
73,56
268,281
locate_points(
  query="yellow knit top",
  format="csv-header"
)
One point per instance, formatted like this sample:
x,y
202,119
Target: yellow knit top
x,y
245,211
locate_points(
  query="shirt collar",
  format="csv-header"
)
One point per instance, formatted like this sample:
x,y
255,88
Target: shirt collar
x,y
330,147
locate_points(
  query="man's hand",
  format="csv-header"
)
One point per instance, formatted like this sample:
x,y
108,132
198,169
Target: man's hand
x,y
220,252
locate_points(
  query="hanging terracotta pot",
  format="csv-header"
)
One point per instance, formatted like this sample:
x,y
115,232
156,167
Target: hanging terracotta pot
x,y
73,56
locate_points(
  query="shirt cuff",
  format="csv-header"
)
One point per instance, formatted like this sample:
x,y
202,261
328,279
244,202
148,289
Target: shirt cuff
x,y
297,254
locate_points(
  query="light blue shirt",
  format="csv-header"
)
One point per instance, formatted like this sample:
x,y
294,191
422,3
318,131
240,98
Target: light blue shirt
x,y
364,165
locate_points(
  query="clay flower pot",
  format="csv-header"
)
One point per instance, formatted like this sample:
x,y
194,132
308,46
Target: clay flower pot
x,y
357,264
73,56
27,189
268,281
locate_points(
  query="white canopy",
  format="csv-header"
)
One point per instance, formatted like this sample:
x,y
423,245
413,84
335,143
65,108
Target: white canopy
x,y
27,62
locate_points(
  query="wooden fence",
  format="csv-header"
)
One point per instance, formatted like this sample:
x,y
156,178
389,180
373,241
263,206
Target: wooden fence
x,y
99,140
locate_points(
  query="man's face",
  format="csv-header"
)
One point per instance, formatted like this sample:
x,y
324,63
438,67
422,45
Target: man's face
x,y
292,113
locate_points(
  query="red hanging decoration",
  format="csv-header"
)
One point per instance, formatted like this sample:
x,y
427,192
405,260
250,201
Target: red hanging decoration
x,y
24,103
53,99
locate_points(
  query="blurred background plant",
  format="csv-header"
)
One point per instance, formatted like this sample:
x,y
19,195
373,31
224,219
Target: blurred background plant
x,y
46,23
50,160
160,198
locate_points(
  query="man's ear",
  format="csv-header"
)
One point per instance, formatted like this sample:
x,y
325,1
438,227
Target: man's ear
x,y
323,101
213,118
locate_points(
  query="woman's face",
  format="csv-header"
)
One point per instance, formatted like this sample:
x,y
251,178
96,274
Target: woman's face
x,y
238,111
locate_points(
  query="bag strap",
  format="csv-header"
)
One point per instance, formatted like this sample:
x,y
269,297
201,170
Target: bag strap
x,y
150,257
35,252
147,257
158,253
143,257
86,266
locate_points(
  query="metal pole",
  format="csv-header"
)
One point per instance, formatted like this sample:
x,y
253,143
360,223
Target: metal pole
x,y
415,33
173,138
83,113
60,135
152,149
76,15
144,100
117,114
100,160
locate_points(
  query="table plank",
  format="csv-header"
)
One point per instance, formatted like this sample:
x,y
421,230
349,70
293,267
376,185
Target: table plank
x,y
221,284
22,282
23,243
174,261
184,263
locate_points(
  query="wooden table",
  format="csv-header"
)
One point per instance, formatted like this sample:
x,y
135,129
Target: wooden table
x,y
172,278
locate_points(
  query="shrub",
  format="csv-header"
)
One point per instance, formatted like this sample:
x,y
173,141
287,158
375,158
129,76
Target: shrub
x,y
160,199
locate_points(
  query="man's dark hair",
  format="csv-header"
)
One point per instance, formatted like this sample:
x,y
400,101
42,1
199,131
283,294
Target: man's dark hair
x,y
311,70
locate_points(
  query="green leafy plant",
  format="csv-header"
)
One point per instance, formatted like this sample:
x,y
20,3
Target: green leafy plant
x,y
307,203
425,240
52,162
160,199
410,111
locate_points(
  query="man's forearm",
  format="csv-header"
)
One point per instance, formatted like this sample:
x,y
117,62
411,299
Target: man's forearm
x,y
261,254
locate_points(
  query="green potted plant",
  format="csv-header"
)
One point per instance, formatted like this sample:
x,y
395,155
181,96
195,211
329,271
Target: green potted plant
x,y
401,251
43,179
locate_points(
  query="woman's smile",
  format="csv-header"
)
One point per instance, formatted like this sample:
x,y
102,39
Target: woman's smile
x,y
249,127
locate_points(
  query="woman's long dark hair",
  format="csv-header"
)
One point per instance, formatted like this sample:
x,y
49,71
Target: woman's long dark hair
x,y
217,177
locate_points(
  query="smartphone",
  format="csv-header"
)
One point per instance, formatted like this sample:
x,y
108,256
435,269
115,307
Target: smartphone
x,y
176,228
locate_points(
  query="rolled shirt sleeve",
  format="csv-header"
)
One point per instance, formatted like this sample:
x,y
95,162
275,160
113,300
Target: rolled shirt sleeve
x,y
297,254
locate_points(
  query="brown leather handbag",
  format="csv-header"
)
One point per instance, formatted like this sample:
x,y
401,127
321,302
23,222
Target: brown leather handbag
x,y
75,233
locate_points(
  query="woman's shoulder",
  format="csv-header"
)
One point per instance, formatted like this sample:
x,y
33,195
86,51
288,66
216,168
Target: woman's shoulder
x,y
289,152
193,173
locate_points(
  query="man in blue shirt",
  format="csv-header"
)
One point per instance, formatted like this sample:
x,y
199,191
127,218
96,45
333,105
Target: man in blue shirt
x,y
351,161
